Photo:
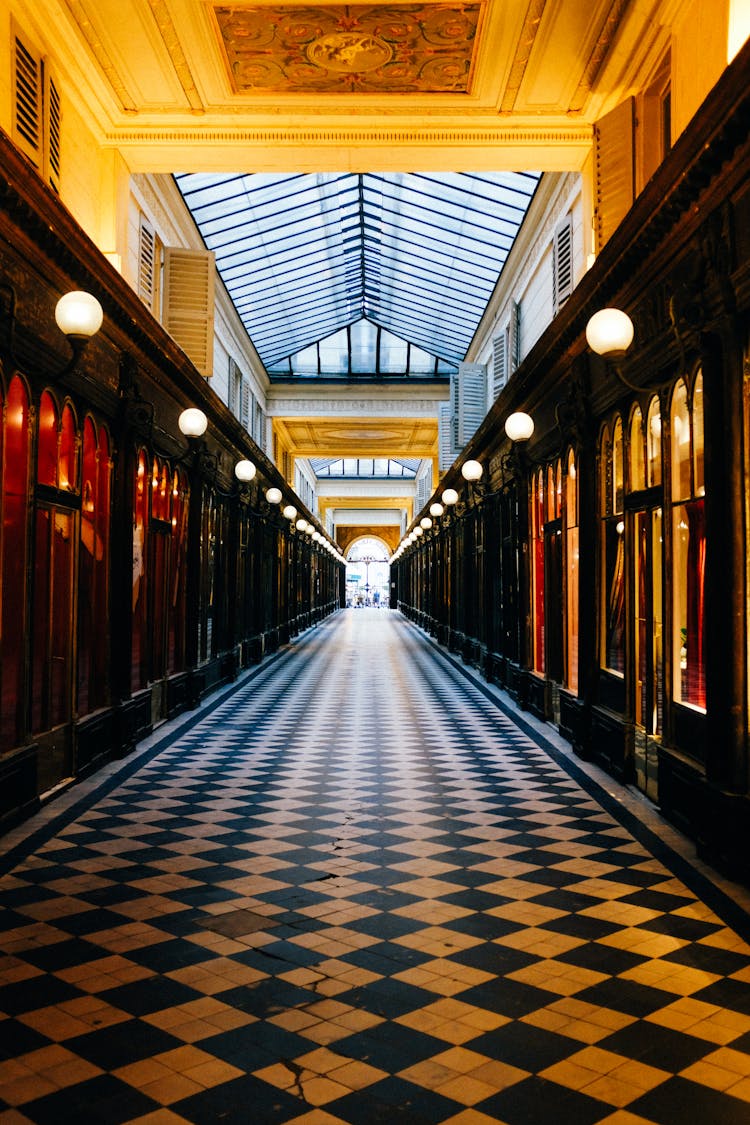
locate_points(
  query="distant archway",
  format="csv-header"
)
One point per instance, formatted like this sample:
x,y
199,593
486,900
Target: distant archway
x,y
368,574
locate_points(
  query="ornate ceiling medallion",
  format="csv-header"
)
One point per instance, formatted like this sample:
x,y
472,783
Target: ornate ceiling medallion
x,y
363,48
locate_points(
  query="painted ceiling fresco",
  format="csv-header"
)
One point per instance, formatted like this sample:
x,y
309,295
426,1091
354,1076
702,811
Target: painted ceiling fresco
x,y
359,48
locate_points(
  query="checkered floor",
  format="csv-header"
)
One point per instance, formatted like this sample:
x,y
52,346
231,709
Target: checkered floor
x,y
358,892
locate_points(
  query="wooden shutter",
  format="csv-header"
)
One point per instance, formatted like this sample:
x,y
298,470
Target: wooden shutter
x,y
472,400
562,263
52,123
146,263
189,284
499,363
614,169
28,100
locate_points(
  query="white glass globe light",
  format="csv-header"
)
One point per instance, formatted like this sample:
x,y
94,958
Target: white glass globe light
x,y
436,510
519,426
273,495
609,332
79,314
244,471
193,422
450,496
472,470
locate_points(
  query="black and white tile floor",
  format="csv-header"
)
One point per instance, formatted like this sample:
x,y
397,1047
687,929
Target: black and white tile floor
x,y
356,891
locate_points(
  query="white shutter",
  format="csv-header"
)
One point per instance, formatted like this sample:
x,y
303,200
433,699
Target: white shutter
x,y
614,169
499,363
245,397
472,400
562,263
28,101
189,284
445,436
423,491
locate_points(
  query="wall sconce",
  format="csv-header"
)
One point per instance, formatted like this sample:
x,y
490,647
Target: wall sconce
x,y
245,471
609,333
519,426
273,495
436,510
193,423
79,315
289,512
450,497
425,523
472,471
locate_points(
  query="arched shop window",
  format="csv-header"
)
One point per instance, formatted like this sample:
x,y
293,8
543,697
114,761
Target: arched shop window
x,y
611,499
93,570
160,534
688,544
14,498
653,443
571,571
54,563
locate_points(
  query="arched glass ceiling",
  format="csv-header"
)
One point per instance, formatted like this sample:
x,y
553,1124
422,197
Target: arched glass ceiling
x,y
304,256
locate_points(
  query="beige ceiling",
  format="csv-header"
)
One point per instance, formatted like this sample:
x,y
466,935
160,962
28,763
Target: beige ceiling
x,y
359,437
195,85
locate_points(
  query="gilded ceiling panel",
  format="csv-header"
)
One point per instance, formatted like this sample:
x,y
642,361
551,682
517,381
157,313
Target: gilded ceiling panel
x,y
361,48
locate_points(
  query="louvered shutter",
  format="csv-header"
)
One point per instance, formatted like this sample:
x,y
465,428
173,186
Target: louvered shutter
x,y
614,169
52,128
472,400
445,436
146,262
28,101
245,397
562,263
189,281
423,491
514,334
499,364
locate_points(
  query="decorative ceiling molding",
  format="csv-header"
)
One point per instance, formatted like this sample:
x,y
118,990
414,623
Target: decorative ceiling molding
x,y
103,60
524,47
598,55
573,136
170,35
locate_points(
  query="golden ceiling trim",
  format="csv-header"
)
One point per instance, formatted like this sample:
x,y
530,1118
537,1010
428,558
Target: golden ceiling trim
x,y
98,50
598,55
168,32
574,136
524,47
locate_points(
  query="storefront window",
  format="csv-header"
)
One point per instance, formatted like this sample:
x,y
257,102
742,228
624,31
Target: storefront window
x,y
637,462
177,587
571,571
93,569
139,671
653,442
613,551
14,464
54,561
688,547
537,568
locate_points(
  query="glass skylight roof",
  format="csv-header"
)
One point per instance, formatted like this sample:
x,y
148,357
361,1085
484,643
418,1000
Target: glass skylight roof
x,y
376,467
304,257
